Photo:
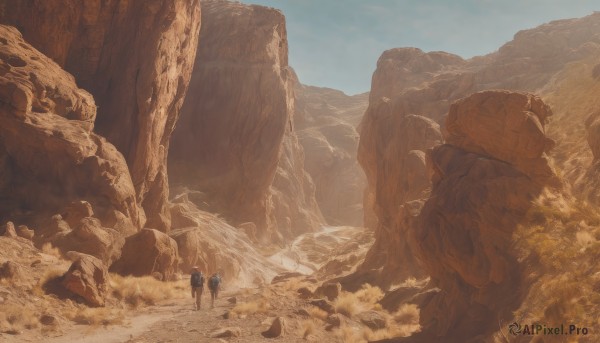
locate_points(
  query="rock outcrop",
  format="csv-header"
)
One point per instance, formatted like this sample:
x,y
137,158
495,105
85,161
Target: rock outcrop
x,y
228,141
325,121
392,153
49,155
146,253
88,278
136,59
89,237
480,195
293,192
208,242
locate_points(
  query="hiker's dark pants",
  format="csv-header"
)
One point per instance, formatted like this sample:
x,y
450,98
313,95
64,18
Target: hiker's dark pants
x,y
214,293
197,293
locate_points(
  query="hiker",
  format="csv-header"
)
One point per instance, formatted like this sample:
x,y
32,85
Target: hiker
x,y
197,283
214,285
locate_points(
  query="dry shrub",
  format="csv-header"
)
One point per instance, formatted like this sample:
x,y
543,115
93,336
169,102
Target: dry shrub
x,y
365,298
316,312
146,290
259,306
369,294
15,318
95,316
48,249
407,314
308,327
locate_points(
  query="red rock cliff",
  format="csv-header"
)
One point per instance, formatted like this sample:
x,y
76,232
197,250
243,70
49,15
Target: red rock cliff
x,y
228,142
49,155
136,58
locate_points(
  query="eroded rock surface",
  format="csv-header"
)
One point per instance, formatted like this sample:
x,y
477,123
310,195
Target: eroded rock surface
x,y
147,252
325,121
464,232
392,152
49,155
136,58
88,278
228,141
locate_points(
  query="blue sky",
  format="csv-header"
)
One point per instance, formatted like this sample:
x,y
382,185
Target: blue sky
x,y
336,43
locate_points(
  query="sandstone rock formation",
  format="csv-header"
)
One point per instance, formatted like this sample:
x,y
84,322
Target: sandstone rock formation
x,y
208,242
146,253
88,278
480,195
49,155
293,193
392,153
136,58
89,237
325,121
229,138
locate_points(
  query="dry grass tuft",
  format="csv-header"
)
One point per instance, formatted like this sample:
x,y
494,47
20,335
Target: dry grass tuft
x,y
366,298
259,306
95,316
15,318
146,290
308,327
48,249
407,314
317,313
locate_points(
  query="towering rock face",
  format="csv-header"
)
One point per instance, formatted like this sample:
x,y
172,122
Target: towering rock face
x,y
49,155
295,207
234,120
402,68
392,153
480,195
326,120
135,57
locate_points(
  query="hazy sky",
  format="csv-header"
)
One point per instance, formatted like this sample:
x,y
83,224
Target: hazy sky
x,y
336,43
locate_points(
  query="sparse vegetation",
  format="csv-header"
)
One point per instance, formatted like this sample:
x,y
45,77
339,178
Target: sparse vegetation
x,y
146,290
364,299
95,316
258,306
15,318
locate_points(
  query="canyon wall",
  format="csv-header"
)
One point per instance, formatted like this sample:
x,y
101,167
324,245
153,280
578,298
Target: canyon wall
x,y
50,158
325,121
233,126
135,58
408,81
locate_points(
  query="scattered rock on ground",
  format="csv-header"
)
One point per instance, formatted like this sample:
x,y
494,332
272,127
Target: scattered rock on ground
x,y
373,319
88,278
227,332
277,329
329,290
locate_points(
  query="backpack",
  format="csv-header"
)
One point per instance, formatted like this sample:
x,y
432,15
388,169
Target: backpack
x,y
197,280
214,282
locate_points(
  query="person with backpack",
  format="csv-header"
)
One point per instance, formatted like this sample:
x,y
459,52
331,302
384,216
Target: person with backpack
x,y
214,285
197,283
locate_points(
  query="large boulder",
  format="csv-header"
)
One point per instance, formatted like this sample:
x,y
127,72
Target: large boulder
x,y
89,237
88,278
136,58
463,234
147,252
505,125
48,152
